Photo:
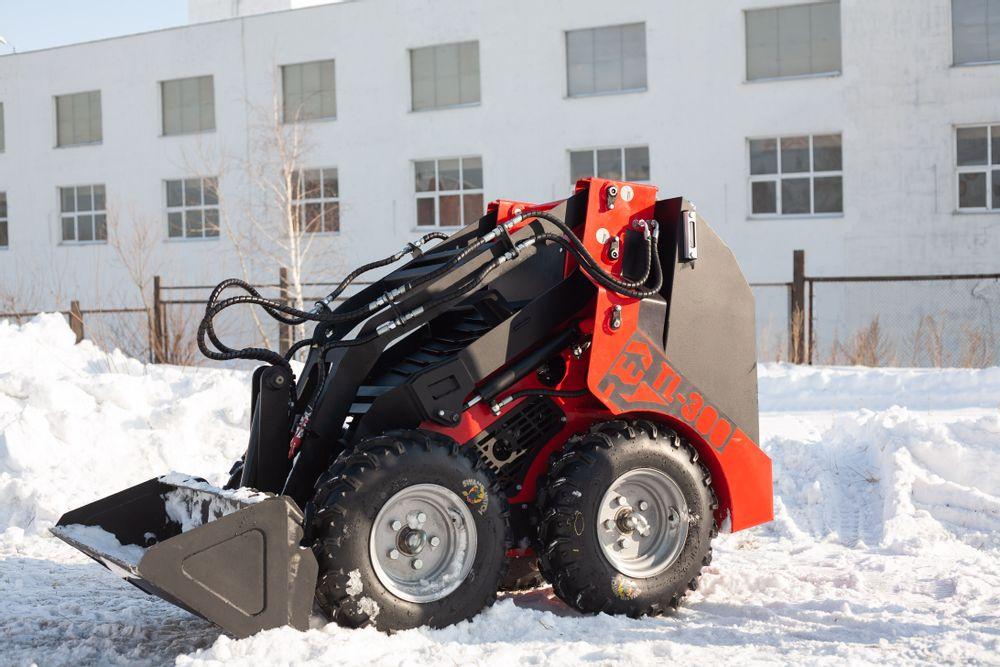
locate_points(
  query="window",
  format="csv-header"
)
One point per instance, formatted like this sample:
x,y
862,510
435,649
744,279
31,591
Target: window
x,y
445,75
188,105
309,91
449,191
4,239
78,119
316,200
617,164
796,175
606,60
796,40
978,152
82,214
975,27
3,145
193,208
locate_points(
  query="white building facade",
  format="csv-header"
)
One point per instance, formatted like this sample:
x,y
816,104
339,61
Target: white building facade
x,y
865,132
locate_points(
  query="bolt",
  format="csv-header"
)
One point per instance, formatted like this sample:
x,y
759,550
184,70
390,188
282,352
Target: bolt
x,y
609,524
644,532
435,541
622,543
417,563
396,524
393,554
622,501
421,517
643,506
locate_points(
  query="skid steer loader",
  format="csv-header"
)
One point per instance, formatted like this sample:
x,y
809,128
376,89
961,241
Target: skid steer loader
x,y
565,390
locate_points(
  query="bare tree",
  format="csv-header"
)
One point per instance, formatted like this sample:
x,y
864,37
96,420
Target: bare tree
x,y
280,220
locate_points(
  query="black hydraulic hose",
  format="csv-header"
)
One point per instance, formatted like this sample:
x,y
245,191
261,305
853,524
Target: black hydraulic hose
x,y
584,257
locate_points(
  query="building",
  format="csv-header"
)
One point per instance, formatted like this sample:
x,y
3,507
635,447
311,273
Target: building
x,y
865,132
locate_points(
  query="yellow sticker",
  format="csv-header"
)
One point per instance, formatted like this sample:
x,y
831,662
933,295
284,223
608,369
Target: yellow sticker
x,y
625,588
474,493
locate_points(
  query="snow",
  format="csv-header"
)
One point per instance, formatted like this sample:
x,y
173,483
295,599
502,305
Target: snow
x,y
885,547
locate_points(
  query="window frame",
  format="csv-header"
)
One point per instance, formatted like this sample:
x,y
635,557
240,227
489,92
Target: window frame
x,y
953,44
459,105
183,208
790,77
811,174
437,192
621,91
312,119
163,117
302,201
60,214
989,169
100,106
621,149
5,220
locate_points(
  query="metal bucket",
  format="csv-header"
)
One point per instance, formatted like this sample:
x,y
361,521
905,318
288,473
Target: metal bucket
x,y
231,557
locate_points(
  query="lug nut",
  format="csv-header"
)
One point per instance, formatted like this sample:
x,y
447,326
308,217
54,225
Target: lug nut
x,y
622,543
435,540
421,517
609,524
393,554
396,524
417,564
643,506
622,501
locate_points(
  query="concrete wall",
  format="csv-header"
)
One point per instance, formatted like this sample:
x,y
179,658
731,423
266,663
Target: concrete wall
x,y
896,104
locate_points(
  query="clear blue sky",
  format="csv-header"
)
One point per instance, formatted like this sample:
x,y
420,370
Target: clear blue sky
x,y
38,24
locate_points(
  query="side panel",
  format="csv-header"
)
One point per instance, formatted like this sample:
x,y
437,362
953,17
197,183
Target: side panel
x,y
633,369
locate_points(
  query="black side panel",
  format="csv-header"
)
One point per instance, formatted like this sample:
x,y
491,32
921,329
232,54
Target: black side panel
x,y
267,465
711,334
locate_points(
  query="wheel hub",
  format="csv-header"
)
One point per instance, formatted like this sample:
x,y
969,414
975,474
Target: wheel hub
x,y
639,522
423,543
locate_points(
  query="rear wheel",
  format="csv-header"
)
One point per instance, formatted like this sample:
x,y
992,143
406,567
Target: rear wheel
x,y
627,520
408,530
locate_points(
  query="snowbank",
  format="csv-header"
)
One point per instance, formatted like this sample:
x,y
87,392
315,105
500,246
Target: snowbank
x,y
786,387
77,423
885,547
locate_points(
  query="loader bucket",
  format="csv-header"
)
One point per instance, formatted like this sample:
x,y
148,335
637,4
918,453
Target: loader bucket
x,y
231,557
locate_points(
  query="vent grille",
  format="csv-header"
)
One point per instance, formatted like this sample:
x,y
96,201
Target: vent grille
x,y
528,426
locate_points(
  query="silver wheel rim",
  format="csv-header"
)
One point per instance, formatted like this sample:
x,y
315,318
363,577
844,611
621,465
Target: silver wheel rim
x,y
642,523
423,543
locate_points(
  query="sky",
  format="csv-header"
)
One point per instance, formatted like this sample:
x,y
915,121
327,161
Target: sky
x,y
28,25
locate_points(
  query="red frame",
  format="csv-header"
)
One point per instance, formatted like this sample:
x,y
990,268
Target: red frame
x,y
741,472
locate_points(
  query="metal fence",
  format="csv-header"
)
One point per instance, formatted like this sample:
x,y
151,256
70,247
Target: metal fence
x,y
902,320
930,320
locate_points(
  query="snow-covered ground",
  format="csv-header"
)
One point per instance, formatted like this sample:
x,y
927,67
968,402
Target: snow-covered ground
x,y
885,549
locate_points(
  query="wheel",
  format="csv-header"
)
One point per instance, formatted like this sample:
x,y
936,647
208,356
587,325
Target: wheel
x,y
235,475
522,575
627,520
408,530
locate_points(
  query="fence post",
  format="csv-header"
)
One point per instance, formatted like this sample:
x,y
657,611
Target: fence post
x,y
76,319
797,309
284,330
156,335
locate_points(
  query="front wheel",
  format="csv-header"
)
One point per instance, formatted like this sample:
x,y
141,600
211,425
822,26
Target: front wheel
x,y
627,520
408,530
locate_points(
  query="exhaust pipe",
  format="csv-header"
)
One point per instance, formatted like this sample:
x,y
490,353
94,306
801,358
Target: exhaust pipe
x,y
232,557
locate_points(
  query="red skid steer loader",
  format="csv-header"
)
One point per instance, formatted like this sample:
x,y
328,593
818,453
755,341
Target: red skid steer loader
x,y
564,391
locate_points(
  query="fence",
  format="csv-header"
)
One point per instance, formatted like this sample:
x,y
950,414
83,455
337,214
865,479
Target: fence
x,y
904,320
929,320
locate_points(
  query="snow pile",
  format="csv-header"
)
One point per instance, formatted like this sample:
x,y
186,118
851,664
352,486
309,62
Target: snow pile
x,y
892,479
77,424
787,387
885,547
